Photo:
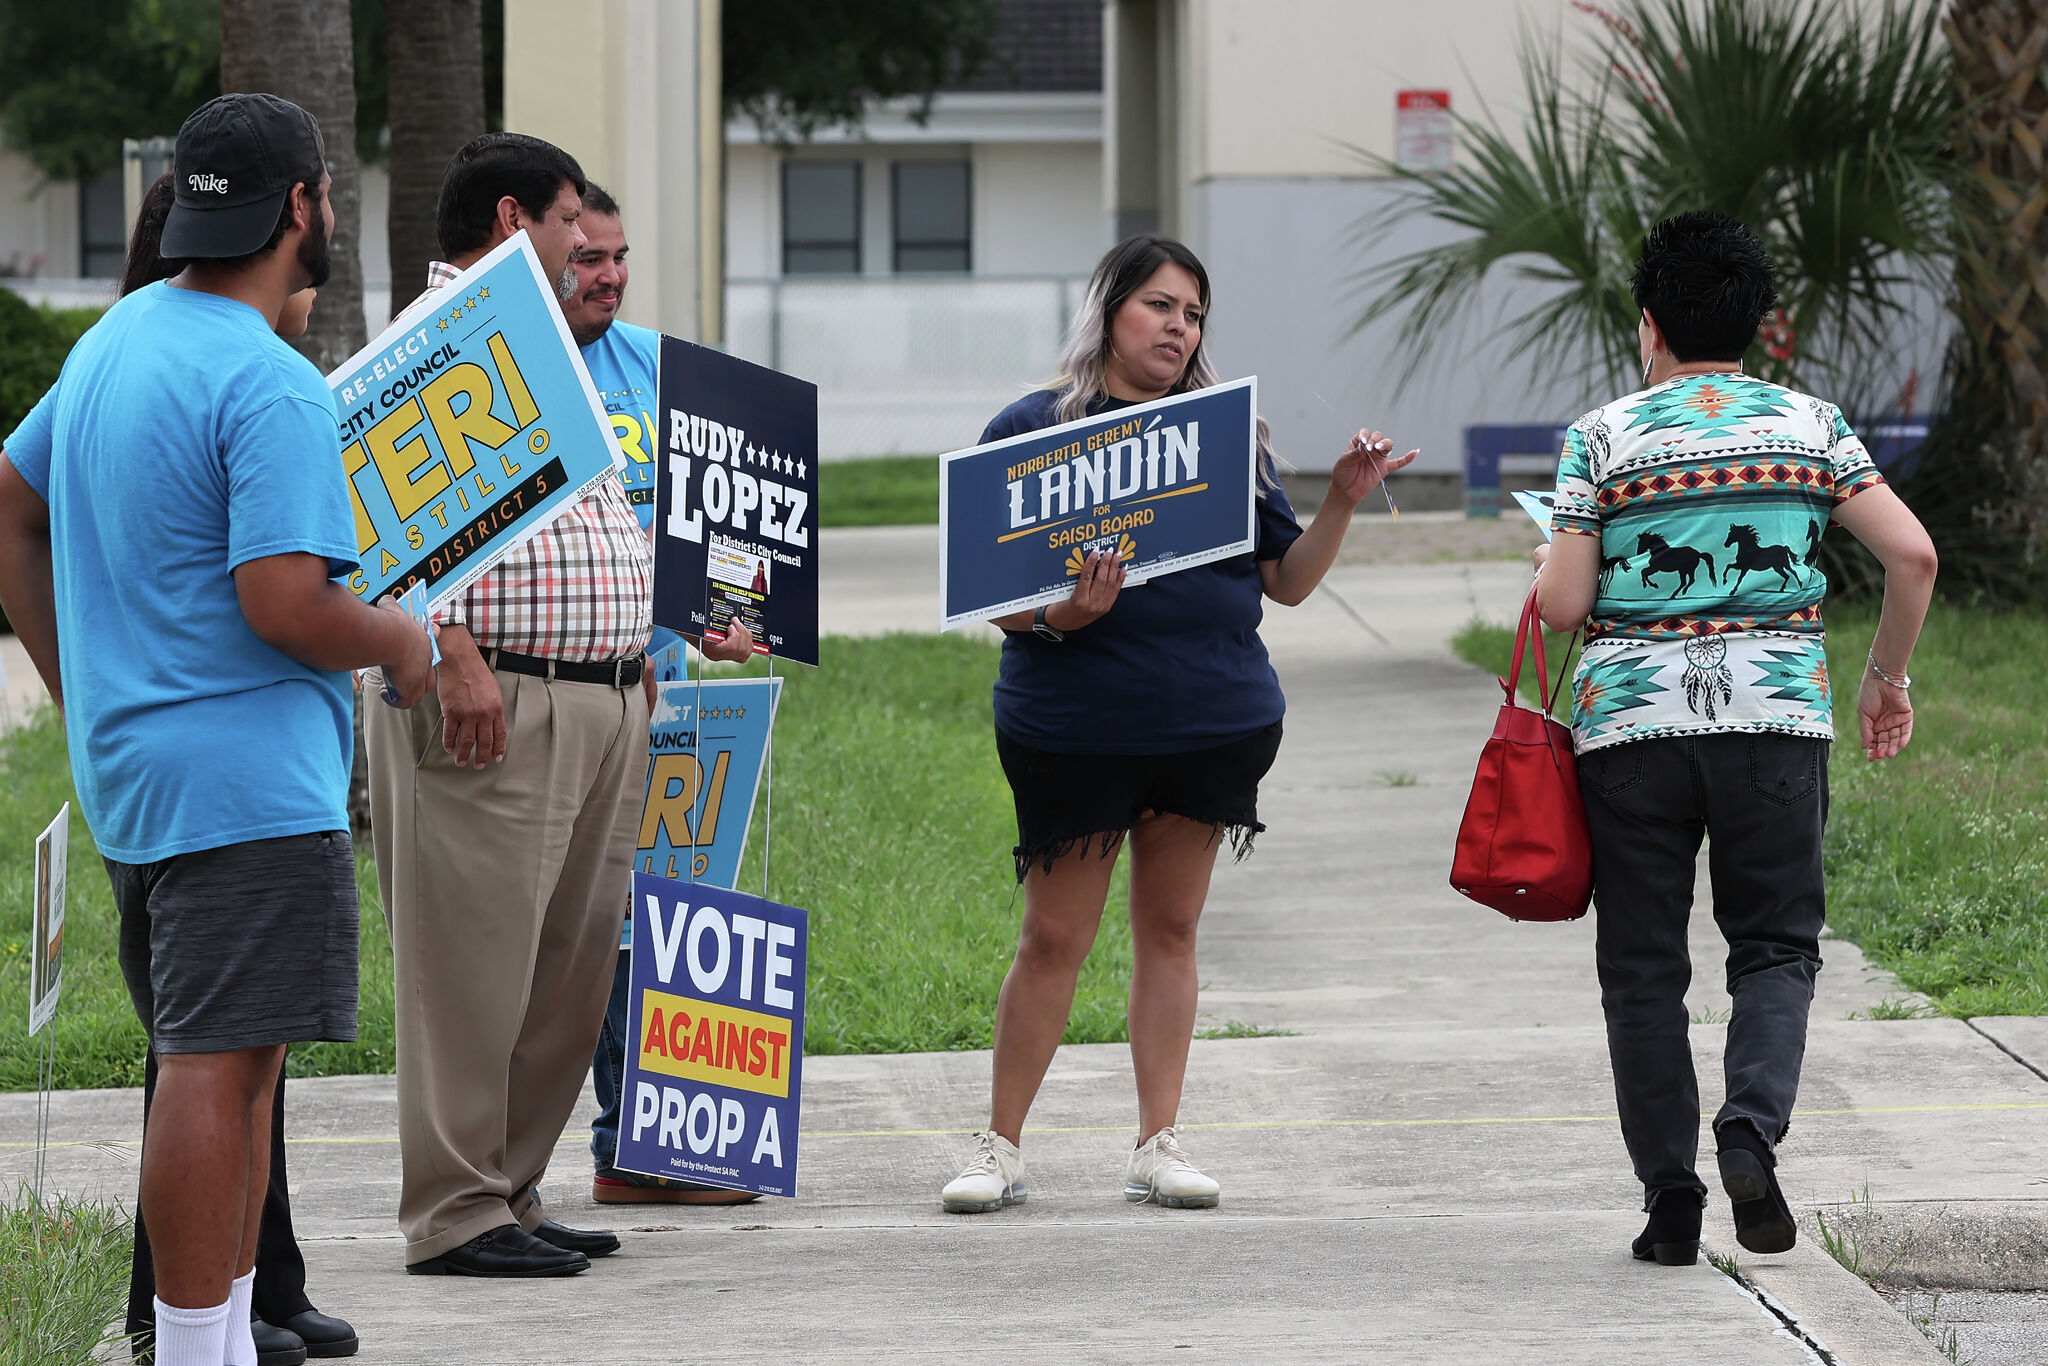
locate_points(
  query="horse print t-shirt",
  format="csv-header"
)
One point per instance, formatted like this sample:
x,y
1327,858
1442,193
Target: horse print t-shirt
x,y
1709,494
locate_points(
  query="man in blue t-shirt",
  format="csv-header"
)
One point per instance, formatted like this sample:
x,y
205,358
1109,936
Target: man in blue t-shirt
x,y
625,364
170,530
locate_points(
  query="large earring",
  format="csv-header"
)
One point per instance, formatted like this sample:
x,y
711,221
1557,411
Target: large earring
x,y
1646,371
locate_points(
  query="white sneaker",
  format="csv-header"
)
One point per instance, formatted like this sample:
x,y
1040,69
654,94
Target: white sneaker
x,y
994,1178
1159,1170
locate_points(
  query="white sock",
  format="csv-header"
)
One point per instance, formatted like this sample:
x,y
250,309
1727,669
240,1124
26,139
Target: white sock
x,y
241,1343
191,1337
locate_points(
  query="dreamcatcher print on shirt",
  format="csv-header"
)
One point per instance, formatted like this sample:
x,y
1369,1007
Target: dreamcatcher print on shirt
x,y
1706,673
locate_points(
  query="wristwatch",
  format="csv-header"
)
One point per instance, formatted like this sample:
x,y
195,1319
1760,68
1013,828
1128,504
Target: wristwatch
x,y
1044,629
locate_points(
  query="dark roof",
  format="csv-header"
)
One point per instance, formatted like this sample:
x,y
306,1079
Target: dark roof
x,y
1043,45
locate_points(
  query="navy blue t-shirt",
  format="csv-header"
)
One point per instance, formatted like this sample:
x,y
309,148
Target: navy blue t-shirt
x,y
1175,665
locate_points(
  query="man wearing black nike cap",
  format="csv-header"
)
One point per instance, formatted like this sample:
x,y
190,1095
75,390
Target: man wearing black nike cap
x,y
181,504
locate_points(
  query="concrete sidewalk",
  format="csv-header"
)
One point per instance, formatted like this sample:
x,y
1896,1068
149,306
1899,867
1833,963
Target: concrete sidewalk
x,y
1426,1170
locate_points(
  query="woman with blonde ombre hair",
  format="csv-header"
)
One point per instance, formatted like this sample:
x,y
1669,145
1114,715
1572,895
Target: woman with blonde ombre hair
x,y
1145,719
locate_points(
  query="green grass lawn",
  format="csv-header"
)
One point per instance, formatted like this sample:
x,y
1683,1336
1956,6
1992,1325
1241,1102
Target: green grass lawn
x,y
890,490
1937,860
892,826
63,1278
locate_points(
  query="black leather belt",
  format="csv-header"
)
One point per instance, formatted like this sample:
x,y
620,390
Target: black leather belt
x,y
614,673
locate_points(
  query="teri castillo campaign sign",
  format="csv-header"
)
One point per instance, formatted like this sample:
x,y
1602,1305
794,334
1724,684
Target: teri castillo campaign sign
x,y
1163,485
714,1074
736,504
466,426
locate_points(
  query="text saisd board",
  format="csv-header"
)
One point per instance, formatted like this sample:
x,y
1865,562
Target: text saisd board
x,y
1163,486
466,426
713,1086
736,508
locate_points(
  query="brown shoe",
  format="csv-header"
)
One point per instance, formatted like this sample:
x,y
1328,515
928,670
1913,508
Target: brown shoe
x,y
614,1187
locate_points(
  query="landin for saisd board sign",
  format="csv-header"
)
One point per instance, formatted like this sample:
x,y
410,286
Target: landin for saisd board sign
x,y
466,427
1164,485
714,1070
736,509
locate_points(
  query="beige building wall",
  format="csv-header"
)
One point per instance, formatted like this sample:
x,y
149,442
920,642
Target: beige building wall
x,y
1037,208
38,218
621,84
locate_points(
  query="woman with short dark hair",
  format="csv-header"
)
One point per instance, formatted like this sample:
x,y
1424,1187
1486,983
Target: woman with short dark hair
x,y
1688,523
1145,719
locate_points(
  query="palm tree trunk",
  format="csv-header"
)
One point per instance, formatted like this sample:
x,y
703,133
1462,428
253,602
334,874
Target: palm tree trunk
x,y
2000,48
435,64
304,51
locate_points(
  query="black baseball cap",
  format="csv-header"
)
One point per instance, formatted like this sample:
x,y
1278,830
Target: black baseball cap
x,y
237,159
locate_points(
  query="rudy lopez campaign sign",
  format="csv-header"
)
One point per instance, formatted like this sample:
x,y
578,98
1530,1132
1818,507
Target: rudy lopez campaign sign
x,y
736,508
1163,485
707,740
714,1073
466,427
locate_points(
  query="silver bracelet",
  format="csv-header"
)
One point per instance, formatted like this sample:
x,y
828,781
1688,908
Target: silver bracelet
x,y
1903,682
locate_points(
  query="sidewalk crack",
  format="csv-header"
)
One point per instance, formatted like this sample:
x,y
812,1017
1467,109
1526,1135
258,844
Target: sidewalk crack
x,y
1999,1044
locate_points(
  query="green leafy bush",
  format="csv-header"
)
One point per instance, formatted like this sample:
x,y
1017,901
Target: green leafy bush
x,y
33,344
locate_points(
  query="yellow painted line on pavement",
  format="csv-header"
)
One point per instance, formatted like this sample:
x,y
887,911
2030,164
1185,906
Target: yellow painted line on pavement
x,y
1243,1124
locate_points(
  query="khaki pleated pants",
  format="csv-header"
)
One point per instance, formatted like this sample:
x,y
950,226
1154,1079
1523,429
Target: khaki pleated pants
x,y
503,891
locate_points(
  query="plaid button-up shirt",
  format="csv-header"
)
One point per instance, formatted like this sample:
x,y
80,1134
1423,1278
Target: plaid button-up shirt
x,y
580,589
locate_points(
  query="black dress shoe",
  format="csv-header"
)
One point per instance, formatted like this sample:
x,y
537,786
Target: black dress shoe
x,y
1672,1237
1763,1221
276,1346
323,1334
592,1243
506,1251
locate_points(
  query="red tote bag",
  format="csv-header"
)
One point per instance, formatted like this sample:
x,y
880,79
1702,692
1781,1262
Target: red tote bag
x,y
1522,846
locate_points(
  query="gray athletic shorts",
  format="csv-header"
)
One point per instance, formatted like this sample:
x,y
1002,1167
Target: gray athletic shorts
x,y
245,946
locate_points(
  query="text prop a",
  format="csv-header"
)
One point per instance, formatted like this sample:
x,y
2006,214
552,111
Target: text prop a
x,y
466,427
735,530
1163,485
46,921
713,1085
706,742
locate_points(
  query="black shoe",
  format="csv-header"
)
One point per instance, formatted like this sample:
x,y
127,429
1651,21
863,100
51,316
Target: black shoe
x,y
1763,1221
276,1346
594,1243
506,1251
1672,1237
323,1334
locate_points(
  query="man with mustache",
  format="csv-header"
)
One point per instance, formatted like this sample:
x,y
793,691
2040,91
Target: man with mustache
x,y
505,816
625,364
181,500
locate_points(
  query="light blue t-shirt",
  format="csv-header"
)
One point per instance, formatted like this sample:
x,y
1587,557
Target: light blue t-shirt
x,y
625,365
183,439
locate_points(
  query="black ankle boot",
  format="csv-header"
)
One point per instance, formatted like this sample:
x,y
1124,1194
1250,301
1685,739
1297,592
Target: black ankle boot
x,y
1672,1237
1749,1175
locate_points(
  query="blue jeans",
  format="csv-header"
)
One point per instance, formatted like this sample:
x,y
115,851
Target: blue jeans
x,y
608,1067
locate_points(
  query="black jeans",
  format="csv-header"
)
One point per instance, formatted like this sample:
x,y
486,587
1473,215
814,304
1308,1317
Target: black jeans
x,y
1764,800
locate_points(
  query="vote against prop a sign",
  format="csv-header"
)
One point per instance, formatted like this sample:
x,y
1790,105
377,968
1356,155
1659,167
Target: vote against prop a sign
x,y
713,1081
465,427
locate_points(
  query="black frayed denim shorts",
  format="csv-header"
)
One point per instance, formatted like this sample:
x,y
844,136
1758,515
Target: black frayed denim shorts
x,y
1065,802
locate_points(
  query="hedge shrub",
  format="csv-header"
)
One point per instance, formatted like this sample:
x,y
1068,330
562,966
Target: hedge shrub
x,y
33,344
